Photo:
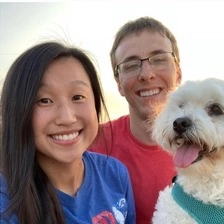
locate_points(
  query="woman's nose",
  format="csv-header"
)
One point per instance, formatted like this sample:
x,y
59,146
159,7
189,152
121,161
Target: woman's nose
x,y
66,114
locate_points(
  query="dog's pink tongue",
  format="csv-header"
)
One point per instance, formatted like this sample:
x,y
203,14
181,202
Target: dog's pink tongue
x,y
186,155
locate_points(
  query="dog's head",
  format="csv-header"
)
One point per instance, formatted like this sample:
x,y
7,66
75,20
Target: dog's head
x,y
191,125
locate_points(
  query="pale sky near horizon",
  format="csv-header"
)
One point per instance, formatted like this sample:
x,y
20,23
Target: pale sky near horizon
x,y
92,24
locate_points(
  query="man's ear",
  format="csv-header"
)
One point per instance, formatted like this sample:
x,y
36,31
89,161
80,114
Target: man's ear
x,y
120,89
179,76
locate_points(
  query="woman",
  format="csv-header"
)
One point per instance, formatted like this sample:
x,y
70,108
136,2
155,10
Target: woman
x,y
51,108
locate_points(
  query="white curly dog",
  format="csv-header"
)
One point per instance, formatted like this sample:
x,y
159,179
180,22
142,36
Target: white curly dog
x,y
191,127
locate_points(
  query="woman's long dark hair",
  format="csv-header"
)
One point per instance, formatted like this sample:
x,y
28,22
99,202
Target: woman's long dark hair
x,y
33,197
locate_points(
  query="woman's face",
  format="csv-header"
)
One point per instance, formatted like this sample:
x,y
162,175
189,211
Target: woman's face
x,y
64,117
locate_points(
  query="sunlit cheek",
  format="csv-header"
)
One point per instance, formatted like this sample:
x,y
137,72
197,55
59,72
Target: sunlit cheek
x,y
95,125
127,84
39,123
170,78
91,121
38,136
121,85
39,143
35,124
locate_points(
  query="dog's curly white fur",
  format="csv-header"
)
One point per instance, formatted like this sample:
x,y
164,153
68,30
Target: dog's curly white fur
x,y
191,127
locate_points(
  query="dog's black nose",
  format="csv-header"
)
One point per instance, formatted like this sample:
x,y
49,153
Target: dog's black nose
x,y
181,124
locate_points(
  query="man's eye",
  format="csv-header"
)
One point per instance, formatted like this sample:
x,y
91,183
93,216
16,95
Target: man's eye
x,y
128,66
158,60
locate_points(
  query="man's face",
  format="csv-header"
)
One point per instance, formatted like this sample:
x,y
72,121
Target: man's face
x,y
146,86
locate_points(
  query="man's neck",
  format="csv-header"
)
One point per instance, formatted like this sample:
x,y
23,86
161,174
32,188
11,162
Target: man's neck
x,y
141,130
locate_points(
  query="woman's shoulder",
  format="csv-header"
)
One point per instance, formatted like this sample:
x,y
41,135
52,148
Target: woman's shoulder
x,y
104,160
3,184
107,166
4,199
4,202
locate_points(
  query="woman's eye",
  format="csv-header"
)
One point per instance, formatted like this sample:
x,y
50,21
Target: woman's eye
x,y
78,97
44,101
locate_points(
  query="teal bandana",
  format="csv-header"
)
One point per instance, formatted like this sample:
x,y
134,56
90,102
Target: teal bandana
x,y
202,213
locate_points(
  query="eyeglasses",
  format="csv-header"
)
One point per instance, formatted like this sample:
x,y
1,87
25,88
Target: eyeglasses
x,y
160,61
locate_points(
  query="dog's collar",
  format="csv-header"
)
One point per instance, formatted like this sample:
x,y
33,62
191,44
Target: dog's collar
x,y
202,213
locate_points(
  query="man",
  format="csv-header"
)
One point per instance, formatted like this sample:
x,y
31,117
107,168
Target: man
x,y
145,62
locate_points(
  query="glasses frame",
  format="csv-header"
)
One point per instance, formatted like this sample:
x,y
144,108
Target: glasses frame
x,y
146,59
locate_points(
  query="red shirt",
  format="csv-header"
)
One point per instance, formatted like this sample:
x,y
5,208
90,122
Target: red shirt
x,y
150,167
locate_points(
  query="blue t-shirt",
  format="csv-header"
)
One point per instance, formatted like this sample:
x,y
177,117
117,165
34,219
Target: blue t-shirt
x,y
104,197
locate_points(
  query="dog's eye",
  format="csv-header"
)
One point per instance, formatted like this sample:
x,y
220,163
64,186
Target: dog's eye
x,y
181,105
215,109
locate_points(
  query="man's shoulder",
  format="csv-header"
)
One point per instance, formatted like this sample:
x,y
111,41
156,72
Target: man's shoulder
x,y
109,134
118,122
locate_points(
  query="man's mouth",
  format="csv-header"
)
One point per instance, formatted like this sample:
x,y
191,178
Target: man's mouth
x,y
150,92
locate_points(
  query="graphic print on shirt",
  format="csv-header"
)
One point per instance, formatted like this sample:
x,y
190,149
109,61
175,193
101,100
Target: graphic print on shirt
x,y
118,217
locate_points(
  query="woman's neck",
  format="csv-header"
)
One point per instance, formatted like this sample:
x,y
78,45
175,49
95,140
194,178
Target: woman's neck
x,y
67,178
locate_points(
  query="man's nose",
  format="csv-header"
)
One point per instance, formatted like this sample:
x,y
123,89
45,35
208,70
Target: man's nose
x,y
146,71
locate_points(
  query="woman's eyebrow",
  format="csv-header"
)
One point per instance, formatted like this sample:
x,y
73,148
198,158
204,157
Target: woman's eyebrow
x,y
75,82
